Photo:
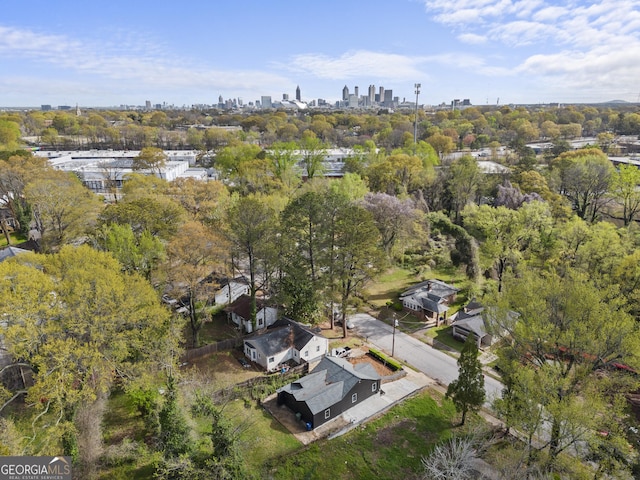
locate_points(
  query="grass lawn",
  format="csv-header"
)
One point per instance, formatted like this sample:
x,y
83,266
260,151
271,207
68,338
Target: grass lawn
x,y
121,423
262,437
390,447
389,285
220,370
16,238
218,329
443,335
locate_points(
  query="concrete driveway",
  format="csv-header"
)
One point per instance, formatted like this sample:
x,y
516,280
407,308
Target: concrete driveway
x,y
433,363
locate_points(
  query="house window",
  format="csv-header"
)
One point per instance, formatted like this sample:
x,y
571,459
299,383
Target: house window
x,y
317,348
327,413
354,398
306,353
271,359
374,386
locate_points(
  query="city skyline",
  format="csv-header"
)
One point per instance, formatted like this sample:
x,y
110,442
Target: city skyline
x,y
489,51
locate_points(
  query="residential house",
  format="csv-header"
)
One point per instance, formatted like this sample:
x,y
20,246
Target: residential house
x,y
230,290
473,320
10,252
333,387
239,312
429,300
284,341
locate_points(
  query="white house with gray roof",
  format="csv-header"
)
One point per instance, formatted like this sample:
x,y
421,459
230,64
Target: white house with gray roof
x,y
285,341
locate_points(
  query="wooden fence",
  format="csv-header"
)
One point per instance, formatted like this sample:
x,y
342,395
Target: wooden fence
x,y
220,346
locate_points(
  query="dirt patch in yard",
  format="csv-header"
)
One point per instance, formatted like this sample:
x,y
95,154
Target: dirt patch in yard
x,y
381,368
387,436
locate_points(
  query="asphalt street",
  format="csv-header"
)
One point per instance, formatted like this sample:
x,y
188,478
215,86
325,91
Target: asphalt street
x,y
433,363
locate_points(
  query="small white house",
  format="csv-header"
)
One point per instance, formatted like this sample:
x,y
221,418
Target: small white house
x,y
239,312
230,291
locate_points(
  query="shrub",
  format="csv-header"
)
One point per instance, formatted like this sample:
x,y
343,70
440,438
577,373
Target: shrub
x,y
390,362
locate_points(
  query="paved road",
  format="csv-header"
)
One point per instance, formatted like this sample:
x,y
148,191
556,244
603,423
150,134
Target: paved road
x,y
432,362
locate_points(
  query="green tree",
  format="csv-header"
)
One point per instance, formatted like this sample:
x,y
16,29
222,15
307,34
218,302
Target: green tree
x,y
505,234
624,188
17,170
63,209
585,178
566,331
193,254
443,144
284,158
82,325
152,159
467,391
312,153
463,183
159,216
174,431
141,254
251,229
356,256
9,135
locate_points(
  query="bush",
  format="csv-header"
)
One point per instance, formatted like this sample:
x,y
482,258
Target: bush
x,y
390,362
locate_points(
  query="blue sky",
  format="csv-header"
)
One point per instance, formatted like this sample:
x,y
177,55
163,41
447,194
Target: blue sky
x,y
105,53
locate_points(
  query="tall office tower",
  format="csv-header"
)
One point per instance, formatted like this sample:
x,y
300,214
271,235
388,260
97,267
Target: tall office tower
x,y
388,98
372,94
298,98
381,95
265,101
355,91
345,93
285,96
147,104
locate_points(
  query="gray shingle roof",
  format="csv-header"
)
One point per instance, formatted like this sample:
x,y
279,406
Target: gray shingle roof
x,y
10,252
281,336
330,381
436,287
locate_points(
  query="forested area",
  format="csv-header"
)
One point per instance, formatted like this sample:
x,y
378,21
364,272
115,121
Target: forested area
x,y
551,248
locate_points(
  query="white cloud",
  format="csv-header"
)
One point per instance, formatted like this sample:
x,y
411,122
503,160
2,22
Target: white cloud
x,y
357,63
472,38
134,62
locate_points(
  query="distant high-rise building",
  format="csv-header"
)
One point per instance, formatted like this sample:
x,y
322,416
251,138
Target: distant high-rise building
x,y
220,99
298,97
265,101
285,96
147,104
355,91
388,98
372,94
345,93
381,95
45,108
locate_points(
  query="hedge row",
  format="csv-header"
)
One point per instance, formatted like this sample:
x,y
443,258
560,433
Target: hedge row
x,y
390,362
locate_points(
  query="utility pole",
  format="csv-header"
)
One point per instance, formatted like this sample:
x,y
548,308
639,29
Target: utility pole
x,y
415,127
393,340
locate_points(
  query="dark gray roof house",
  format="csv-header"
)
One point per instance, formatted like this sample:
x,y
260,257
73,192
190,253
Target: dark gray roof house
x,y
334,386
10,252
472,320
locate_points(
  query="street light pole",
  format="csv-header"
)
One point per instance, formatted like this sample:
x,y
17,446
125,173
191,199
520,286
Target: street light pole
x,y
415,127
